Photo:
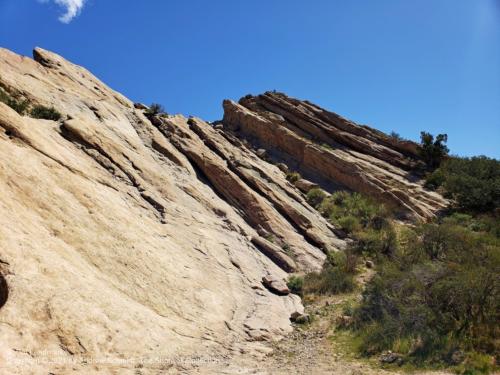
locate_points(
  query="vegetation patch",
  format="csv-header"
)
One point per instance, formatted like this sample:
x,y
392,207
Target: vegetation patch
x,y
20,106
472,183
295,284
293,176
435,298
315,197
155,109
433,150
354,212
46,113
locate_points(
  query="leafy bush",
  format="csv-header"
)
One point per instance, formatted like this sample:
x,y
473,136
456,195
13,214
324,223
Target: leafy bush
x,y
42,112
473,183
349,223
337,275
295,284
476,363
293,176
433,150
331,280
395,136
376,242
353,211
315,197
155,109
19,106
440,293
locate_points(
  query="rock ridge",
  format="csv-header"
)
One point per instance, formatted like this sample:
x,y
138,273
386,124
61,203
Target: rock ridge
x,y
130,235
333,151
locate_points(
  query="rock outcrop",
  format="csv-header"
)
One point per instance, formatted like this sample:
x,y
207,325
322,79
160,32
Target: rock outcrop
x,y
130,236
123,236
333,151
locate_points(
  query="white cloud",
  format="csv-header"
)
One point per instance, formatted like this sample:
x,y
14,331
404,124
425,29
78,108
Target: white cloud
x,y
73,8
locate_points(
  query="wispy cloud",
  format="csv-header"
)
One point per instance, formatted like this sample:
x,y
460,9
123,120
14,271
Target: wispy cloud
x,y
72,8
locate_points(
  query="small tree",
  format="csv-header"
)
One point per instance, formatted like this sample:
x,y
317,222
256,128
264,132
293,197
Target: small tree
x,y
155,109
395,136
433,150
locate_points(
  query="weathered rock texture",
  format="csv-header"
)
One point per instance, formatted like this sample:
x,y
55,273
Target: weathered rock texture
x,y
126,238
332,150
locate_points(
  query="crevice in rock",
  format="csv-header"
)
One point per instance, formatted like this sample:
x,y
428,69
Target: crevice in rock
x,y
255,187
103,159
274,253
4,291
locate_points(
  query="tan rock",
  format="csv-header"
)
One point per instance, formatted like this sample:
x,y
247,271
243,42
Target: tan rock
x,y
335,150
123,236
275,285
112,247
305,185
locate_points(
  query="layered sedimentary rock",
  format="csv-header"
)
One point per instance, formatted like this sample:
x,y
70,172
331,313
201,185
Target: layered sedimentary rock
x,y
333,151
127,237
132,240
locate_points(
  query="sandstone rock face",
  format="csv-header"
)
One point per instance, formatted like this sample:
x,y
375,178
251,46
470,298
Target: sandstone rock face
x,y
125,238
333,151
133,238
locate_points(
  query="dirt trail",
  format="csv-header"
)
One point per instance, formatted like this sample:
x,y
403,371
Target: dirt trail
x,y
318,348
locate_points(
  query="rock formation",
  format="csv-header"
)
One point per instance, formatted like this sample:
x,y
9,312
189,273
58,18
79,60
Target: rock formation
x,y
333,151
130,236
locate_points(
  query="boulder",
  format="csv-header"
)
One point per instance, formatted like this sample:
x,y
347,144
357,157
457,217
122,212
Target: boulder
x,y
261,153
141,106
282,167
305,185
275,285
391,357
300,318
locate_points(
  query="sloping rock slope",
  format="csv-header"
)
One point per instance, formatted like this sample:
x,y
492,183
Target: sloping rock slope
x,y
128,238
124,239
333,151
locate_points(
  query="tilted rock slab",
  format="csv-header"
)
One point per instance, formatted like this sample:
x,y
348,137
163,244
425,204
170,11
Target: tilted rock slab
x,y
332,150
121,240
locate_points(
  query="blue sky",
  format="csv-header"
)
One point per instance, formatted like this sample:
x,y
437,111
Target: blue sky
x,y
393,64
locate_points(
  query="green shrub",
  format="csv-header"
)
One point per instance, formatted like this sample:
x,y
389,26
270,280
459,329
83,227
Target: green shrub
x,y
19,106
433,150
372,242
439,293
336,276
295,284
293,176
315,197
155,109
46,113
472,183
348,223
4,97
287,249
331,280
476,364
353,211
346,260
395,136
